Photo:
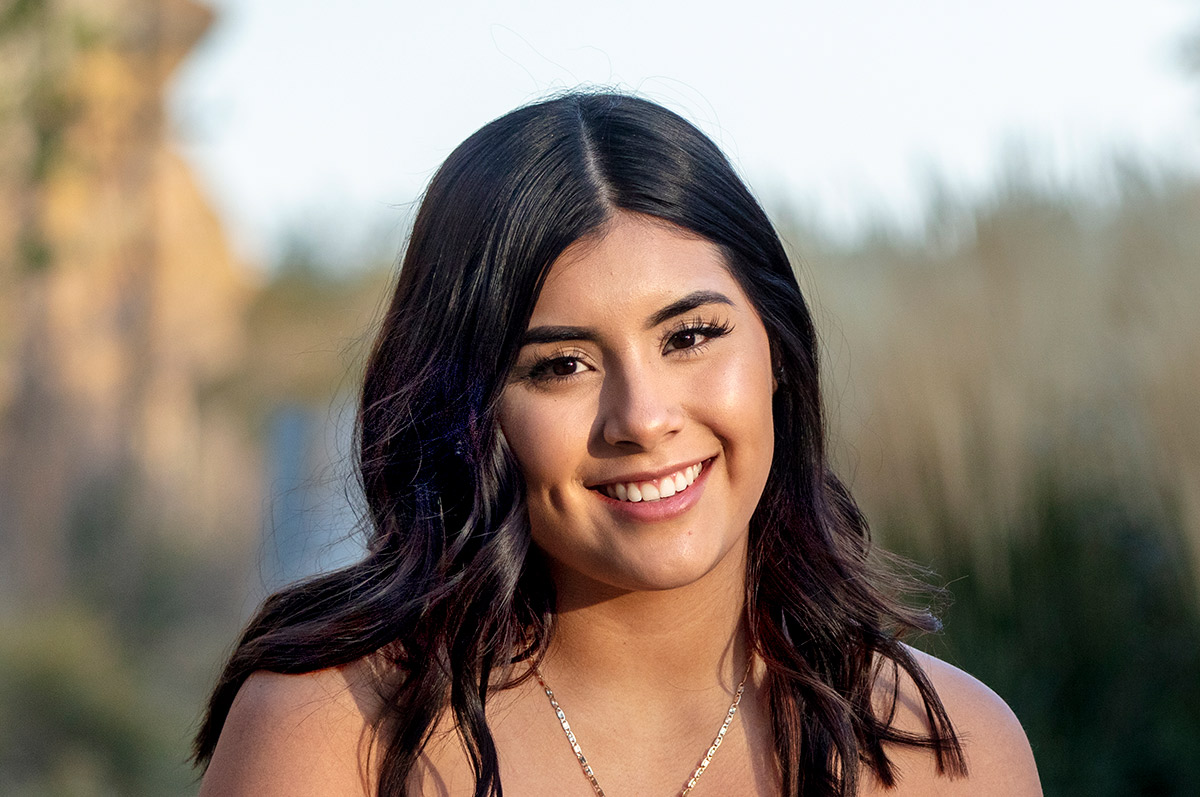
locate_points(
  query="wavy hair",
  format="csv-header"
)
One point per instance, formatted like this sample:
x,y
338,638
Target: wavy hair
x,y
451,588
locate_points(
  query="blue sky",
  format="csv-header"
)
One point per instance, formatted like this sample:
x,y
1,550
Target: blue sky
x,y
331,116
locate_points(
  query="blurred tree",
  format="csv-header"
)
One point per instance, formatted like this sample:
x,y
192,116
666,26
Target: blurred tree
x,y
121,459
121,302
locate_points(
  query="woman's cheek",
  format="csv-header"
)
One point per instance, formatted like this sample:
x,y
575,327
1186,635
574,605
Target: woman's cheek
x,y
540,431
734,399
738,386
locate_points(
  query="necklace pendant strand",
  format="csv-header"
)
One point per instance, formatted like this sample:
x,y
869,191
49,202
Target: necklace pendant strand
x,y
704,762
566,726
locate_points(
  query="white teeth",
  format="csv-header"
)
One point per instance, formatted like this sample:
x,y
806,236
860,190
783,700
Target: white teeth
x,y
665,487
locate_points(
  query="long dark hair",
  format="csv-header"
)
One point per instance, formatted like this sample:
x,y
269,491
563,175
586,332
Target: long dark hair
x,y
452,589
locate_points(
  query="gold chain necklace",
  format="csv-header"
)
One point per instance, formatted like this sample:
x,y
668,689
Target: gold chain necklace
x,y
587,769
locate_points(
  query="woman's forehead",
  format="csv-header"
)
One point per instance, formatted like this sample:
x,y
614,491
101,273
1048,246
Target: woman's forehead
x,y
632,262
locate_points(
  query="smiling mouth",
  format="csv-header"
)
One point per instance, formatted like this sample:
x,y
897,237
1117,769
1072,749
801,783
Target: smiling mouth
x,y
655,489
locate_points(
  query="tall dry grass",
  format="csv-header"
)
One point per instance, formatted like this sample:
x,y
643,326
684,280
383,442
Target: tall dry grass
x,y
1014,400
1036,333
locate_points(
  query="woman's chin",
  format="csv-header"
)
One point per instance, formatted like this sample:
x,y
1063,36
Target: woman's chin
x,y
659,570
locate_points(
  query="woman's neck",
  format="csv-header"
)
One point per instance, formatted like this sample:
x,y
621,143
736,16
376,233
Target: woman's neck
x,y
691,637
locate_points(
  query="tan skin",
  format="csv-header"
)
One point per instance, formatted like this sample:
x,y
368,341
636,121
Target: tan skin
x,y
650,640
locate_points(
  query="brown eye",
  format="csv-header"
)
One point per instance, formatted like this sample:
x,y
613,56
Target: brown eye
x,y
684,340
560,368
695,336
564,366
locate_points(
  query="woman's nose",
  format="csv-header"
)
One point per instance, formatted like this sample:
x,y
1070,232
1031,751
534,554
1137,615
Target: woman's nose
x,y
640,407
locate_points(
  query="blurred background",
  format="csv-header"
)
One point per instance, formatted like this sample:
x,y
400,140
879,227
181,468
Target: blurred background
x,y
995,208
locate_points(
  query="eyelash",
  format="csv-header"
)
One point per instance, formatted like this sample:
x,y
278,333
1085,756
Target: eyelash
x,y
540,373
710,330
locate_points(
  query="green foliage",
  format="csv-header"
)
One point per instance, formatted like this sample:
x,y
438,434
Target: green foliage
x,y
51,110
16,15
1094,640
99,695
46,106
34,252
74,718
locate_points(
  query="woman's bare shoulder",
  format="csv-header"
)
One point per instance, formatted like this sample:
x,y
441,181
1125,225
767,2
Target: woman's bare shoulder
x,y
999,758
308,734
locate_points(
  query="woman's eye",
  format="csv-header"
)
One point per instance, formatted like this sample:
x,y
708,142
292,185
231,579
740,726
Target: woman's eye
x,y
695,336
552,369
564,366
684,340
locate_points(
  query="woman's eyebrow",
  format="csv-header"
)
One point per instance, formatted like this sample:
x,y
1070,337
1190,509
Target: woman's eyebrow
x,y
686,305
563,334
557,334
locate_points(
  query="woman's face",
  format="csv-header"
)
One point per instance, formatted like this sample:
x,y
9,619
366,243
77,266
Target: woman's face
x,y
639,410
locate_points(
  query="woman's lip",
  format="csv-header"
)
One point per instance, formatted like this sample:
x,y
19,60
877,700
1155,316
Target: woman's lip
x,y
663,508
650,476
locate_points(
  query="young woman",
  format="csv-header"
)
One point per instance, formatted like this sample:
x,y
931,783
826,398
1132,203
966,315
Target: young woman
x,y
609,555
